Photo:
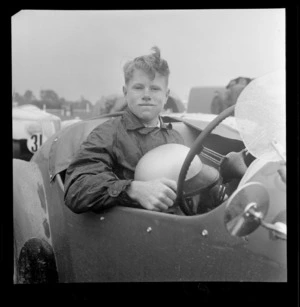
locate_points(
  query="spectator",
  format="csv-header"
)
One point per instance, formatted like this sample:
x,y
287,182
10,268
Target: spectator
x,y
233,90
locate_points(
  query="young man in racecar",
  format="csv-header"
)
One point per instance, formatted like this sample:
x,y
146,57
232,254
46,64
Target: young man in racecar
x,y
102,171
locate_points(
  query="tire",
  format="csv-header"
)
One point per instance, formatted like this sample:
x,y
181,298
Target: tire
x,y
15,277
36,264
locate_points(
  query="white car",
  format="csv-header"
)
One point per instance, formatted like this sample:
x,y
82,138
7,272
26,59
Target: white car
x,y
31,129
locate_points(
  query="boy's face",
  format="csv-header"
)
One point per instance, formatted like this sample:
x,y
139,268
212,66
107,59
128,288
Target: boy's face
x,y
145,97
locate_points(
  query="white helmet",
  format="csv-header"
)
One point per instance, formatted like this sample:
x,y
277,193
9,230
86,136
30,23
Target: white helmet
x,y
167,160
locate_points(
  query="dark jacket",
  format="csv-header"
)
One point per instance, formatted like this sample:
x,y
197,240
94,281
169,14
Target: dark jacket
x,y
104,165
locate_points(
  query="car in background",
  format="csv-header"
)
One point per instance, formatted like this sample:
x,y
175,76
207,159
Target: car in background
x,y
32,127
215,99
200,98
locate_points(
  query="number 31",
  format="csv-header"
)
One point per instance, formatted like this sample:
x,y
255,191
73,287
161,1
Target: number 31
x,y
37,141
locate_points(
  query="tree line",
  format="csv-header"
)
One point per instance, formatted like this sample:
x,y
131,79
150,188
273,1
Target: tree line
x,y
50,99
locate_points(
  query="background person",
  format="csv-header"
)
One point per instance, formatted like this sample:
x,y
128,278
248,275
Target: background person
x,y
233,90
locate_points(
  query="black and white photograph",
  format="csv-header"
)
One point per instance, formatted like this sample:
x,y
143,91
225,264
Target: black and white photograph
x,y
149,146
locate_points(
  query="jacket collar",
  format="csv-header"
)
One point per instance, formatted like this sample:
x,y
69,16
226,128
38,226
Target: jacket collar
x,y
132,122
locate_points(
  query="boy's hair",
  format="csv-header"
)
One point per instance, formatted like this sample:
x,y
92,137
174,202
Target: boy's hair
x,y
150,64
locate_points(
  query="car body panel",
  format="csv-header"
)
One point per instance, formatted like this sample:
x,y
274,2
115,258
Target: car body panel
x,y
227,128
68,122
30,208
127,244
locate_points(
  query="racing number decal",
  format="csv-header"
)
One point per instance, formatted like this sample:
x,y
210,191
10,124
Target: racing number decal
x,y
35,142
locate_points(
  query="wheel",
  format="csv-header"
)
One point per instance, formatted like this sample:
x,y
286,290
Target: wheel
x,y
36,263
15,277
196,149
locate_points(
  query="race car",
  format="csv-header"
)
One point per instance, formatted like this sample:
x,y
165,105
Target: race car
x,y
31,129
241,237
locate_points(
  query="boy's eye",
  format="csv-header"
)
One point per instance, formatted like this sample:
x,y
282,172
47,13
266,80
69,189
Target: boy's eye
x,y
155,88
138,87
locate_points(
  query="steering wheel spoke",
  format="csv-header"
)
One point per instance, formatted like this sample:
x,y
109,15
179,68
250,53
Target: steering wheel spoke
x,y
212,156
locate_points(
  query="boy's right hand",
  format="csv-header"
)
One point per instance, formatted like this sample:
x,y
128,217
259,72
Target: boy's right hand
x,y
155,195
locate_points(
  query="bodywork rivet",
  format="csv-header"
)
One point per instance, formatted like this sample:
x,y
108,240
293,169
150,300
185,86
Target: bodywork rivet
x,y
204,233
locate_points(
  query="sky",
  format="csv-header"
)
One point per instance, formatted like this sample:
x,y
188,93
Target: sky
x,y
82,53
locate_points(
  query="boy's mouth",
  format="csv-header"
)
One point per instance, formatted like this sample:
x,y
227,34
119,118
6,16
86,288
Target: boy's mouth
x,y
146,104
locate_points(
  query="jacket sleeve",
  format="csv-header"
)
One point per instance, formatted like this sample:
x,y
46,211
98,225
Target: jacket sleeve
x,y
91,183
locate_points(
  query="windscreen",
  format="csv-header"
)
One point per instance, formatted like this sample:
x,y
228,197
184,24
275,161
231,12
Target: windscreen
x,y
261,117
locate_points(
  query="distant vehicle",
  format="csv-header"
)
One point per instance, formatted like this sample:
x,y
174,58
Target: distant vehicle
x,y
32,127
213,99
240,238
200,98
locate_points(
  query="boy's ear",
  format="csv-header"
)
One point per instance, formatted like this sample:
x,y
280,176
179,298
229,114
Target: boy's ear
x,y
124,90
168,93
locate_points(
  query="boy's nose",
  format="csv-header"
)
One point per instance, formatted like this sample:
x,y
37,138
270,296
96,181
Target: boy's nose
x,y
146,97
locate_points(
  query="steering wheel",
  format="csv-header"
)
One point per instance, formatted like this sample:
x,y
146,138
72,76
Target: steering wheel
x,y
196,149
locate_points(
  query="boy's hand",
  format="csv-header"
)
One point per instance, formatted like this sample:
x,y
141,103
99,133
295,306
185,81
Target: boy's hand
x,y
156,195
